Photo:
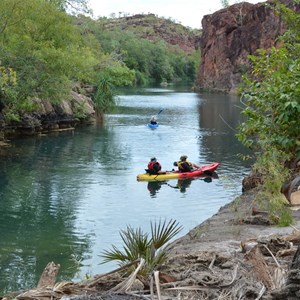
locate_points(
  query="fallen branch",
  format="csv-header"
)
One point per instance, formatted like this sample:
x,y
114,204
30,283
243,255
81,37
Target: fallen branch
x,y
127,283
48,277
96,280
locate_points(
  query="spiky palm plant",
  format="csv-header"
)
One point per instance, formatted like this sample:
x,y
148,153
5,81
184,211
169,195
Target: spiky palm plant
x,y
138,244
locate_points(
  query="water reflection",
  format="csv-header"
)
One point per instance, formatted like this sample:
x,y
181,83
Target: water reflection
x,y
154,186
220,116
182,184
68,195
38,211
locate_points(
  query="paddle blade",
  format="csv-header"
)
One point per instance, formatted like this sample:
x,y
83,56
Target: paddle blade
x,y
160,111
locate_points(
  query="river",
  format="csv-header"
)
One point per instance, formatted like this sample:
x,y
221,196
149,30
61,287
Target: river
x,y
65,196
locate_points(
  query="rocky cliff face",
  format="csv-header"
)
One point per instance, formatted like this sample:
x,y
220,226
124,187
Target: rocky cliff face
x,y
229,36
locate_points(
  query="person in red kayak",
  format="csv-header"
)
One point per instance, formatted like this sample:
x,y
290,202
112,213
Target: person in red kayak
x,y
154,167
184,165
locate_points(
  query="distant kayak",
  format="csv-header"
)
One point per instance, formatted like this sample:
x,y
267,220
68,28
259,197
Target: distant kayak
x,y
152,126
203,170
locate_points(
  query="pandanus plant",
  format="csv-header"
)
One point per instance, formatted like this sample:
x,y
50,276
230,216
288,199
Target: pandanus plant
x,y
138,244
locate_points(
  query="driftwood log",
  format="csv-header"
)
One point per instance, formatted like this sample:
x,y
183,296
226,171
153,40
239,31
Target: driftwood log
x,y
48,277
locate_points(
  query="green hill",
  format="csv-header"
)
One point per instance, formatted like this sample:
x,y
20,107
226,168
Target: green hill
x,y
151,27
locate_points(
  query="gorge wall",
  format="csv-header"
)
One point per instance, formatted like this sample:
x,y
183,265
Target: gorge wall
x,y
229,36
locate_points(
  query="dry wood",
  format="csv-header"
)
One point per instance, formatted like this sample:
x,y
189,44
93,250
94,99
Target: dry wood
x,y
284,253
279,277
128,282
294,237
262,291
212,261
156,279
95,280
48,277
260,267
151,288
62,129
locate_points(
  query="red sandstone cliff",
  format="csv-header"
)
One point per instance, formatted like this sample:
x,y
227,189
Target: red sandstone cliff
x,y
229,36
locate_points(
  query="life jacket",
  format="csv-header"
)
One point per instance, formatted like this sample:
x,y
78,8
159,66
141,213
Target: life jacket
x,y
184,166
152,169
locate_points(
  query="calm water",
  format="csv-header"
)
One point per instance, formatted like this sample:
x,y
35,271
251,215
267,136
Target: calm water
x,y
64,197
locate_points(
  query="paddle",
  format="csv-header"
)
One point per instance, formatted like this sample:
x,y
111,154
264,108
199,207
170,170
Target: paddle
x,y
159,112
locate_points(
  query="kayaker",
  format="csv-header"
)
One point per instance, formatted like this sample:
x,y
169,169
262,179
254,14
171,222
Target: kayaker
x,y
154,167
153,120
184,165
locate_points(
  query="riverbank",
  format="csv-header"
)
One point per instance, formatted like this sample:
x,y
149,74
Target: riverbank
x,y
226,256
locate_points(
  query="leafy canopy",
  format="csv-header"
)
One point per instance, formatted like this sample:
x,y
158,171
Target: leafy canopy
x,y
43,53
272,94
153,61
44,49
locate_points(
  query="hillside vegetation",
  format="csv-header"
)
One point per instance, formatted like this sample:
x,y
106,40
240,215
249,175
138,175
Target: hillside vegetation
x,y
157,49
45,52
151,27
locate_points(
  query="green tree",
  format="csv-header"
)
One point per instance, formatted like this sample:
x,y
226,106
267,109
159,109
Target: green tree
x,y
152,61
71,6
225,3
112,75
271,94
45,50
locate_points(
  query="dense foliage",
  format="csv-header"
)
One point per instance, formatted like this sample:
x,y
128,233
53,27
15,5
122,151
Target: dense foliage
x,y
43,54
152,60
45,51
271,94
72,6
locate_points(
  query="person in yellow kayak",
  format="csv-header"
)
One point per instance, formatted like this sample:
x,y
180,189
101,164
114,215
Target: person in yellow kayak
x,y
184,165
154,167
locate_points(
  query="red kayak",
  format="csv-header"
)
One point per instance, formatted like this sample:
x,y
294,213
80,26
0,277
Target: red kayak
x,y
203,170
